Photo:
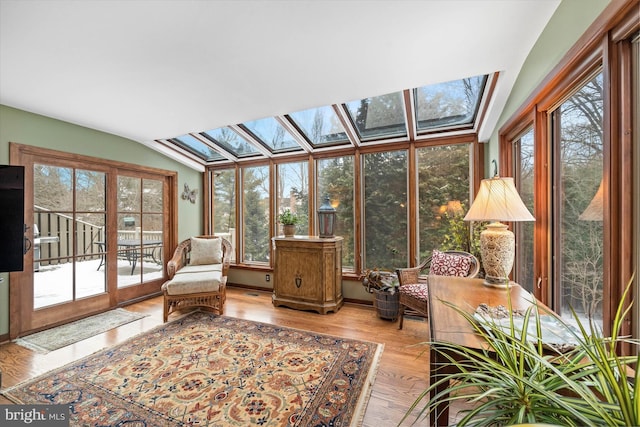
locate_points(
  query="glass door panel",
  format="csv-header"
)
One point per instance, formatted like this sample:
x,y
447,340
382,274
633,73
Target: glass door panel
x,y
69,221
91,264
140,230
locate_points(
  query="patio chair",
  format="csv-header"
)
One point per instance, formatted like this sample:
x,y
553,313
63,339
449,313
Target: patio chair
x,y
198,275
413,290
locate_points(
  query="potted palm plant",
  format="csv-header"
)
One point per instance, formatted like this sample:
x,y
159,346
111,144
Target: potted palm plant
x,y
288,220
517,379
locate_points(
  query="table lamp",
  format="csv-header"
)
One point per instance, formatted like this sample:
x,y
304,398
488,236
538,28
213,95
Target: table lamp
x,y
498,200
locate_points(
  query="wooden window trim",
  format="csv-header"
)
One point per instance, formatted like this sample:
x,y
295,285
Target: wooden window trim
x,y
605,44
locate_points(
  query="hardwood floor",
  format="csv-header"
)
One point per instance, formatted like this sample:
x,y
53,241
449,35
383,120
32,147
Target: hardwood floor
x,y
402,372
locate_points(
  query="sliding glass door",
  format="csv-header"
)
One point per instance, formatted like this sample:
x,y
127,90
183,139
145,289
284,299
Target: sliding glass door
x,y
97,236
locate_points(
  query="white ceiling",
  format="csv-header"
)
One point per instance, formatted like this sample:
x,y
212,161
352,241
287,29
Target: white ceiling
x,y
152,69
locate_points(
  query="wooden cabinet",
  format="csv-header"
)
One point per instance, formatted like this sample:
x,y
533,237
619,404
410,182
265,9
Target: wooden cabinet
x,y
308,273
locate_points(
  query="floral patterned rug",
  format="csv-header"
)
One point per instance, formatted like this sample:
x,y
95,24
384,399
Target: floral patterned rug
x,y
208,370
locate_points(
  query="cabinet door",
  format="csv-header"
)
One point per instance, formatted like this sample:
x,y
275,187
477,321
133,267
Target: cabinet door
x,y
299,274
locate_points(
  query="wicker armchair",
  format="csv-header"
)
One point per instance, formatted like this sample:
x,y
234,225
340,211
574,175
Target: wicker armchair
x,y
413,290
197,282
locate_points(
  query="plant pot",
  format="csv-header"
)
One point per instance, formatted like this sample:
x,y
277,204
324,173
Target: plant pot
x,y
387,304
289,230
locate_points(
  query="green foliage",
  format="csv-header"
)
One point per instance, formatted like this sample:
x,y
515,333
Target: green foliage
x,y
336,179
443,177
288,218
518,380
256,206
224,202
385,207
461,235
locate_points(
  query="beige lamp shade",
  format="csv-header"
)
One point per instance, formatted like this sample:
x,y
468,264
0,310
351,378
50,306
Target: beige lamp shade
x,y
497,200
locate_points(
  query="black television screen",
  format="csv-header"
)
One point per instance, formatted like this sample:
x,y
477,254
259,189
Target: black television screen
x,y
11,218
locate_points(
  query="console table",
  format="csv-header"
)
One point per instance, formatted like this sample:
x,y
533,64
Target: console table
x,y
308,273
446,325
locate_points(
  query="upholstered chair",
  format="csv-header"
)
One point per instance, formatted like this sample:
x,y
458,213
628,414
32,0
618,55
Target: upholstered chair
x,y
413,290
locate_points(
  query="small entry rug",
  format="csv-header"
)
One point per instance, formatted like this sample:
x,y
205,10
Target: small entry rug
x,y
208,370
64,335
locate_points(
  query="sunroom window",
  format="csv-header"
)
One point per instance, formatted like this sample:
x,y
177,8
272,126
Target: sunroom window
x,y
232,142
378,117
197,148
272,134
293,192
321,126
452,103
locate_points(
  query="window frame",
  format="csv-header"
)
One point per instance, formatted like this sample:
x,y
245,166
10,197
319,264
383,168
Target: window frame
x,y
606,44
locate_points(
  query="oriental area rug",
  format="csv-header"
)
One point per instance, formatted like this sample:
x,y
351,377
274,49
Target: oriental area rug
x,y
208,370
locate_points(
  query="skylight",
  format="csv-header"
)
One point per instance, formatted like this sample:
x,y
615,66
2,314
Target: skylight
x,y
197,147
321,126
436,109
451,103
231,142
378,117
272,134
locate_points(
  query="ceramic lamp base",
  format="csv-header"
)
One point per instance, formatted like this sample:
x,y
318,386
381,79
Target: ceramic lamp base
x,y
497,247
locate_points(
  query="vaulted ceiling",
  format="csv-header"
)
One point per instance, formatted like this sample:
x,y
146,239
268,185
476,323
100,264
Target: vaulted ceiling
x,y
156,70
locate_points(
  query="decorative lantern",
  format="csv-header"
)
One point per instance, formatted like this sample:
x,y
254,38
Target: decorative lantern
x,y
326,218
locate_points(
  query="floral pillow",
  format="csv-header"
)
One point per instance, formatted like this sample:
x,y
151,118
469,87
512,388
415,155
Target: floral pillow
x,y
444,264
205,251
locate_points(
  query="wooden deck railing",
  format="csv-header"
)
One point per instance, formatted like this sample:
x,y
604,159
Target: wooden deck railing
x,y
58,225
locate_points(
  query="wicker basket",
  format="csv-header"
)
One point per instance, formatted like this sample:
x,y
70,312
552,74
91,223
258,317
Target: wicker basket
x,y
387,304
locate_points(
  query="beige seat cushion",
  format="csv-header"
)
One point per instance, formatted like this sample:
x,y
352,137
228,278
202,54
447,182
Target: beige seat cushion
x,y
188,269
193,283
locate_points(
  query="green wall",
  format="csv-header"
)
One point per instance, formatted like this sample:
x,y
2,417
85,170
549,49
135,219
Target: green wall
x,y
32,129
566,26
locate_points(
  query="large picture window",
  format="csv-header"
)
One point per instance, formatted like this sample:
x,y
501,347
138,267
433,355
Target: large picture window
x,y
524,179
255,214
293,193
385,209
224,206
372,201
578,202
335,179
443,198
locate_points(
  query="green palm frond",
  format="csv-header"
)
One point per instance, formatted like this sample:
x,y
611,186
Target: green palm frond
x,y
517,379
